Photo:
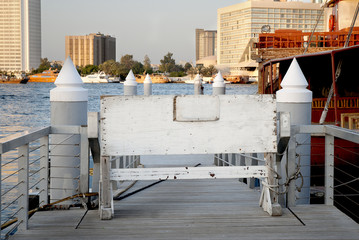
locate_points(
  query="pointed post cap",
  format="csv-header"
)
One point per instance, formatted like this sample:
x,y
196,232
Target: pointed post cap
x,y
69,86
198,79
218,80
294,86
130,79
147,79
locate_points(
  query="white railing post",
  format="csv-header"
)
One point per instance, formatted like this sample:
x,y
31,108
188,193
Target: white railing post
x,y
84,161
130,85
219,87
44,173
69,102
23,190
147,85
198,87
295,99
105,207
329,169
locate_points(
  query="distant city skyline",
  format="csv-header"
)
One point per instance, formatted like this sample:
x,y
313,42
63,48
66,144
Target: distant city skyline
x,y
141,27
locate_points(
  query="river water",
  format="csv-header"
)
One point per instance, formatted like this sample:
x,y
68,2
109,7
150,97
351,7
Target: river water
x,y
28,105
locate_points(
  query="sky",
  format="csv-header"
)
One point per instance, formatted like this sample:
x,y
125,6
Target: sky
x,y
152,27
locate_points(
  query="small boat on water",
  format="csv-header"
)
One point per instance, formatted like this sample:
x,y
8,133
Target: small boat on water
x,y
46,76
156,78
21,79
100,77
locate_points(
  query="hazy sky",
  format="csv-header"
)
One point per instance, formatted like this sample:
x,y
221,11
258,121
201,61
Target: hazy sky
x,y
152,27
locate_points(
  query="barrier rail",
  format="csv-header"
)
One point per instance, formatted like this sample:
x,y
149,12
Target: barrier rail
x,y
32,170
341,163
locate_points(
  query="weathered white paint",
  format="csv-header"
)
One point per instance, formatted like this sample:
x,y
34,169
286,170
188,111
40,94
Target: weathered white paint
x,y
246,124
192,108
178,173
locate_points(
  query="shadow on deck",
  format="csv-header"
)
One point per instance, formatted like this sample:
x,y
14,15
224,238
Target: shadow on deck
x,y
193,209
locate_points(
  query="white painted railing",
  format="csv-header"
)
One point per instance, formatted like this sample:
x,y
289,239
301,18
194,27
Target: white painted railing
x,y
32,172
330,133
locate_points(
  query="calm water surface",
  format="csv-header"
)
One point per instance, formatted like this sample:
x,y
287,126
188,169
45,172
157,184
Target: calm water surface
x,y
28,105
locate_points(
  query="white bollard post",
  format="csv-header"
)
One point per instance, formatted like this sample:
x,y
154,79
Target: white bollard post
x,y
198,87
130,85
147,85
297,100
219,87
68,107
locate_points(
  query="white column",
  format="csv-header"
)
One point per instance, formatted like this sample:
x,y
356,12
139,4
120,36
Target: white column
x,y
68,107
297,100
198,87
219,87
147,85
130,85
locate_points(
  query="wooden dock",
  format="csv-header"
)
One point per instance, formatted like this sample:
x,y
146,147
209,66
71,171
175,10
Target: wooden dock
x,y
193,209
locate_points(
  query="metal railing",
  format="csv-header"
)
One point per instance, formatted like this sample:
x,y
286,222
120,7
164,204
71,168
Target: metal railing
x,y
337,158
239,159
28,171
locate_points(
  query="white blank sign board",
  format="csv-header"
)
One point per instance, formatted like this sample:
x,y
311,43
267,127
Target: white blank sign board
x,y
191,124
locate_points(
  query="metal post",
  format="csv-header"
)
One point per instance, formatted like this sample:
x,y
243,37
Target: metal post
x,y
329,170
130,85
147,85
84,161
198,87
219,87
105,189
297,100
68,107
23,179
44,173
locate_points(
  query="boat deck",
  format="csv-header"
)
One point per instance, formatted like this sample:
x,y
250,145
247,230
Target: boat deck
x,y
193,209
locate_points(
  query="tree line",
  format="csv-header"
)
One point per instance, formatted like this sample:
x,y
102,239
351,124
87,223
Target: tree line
x,y
111,67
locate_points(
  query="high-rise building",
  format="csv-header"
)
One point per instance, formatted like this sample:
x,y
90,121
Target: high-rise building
x,y
92,49
238,26
20,35
206,43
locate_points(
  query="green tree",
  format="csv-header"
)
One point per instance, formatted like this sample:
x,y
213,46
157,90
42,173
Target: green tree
x,y
137,68
187,66
44,65
88,69
168,64
127,61
147,65
209,71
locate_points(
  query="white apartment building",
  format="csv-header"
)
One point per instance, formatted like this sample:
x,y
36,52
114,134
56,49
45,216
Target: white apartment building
x,y
238,27
20,35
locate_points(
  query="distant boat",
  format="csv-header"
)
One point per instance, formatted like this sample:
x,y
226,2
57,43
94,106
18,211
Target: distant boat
x,y
156,78
96,78
10,80
46,76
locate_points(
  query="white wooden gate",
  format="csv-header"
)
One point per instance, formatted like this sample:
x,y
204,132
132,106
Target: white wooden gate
x,y
191,124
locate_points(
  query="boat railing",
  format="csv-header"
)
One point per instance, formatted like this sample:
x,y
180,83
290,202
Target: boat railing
x,y
25,169
342,102
300,39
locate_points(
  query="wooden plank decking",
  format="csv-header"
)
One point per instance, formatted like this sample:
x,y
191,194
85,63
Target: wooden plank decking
x,y
193,209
